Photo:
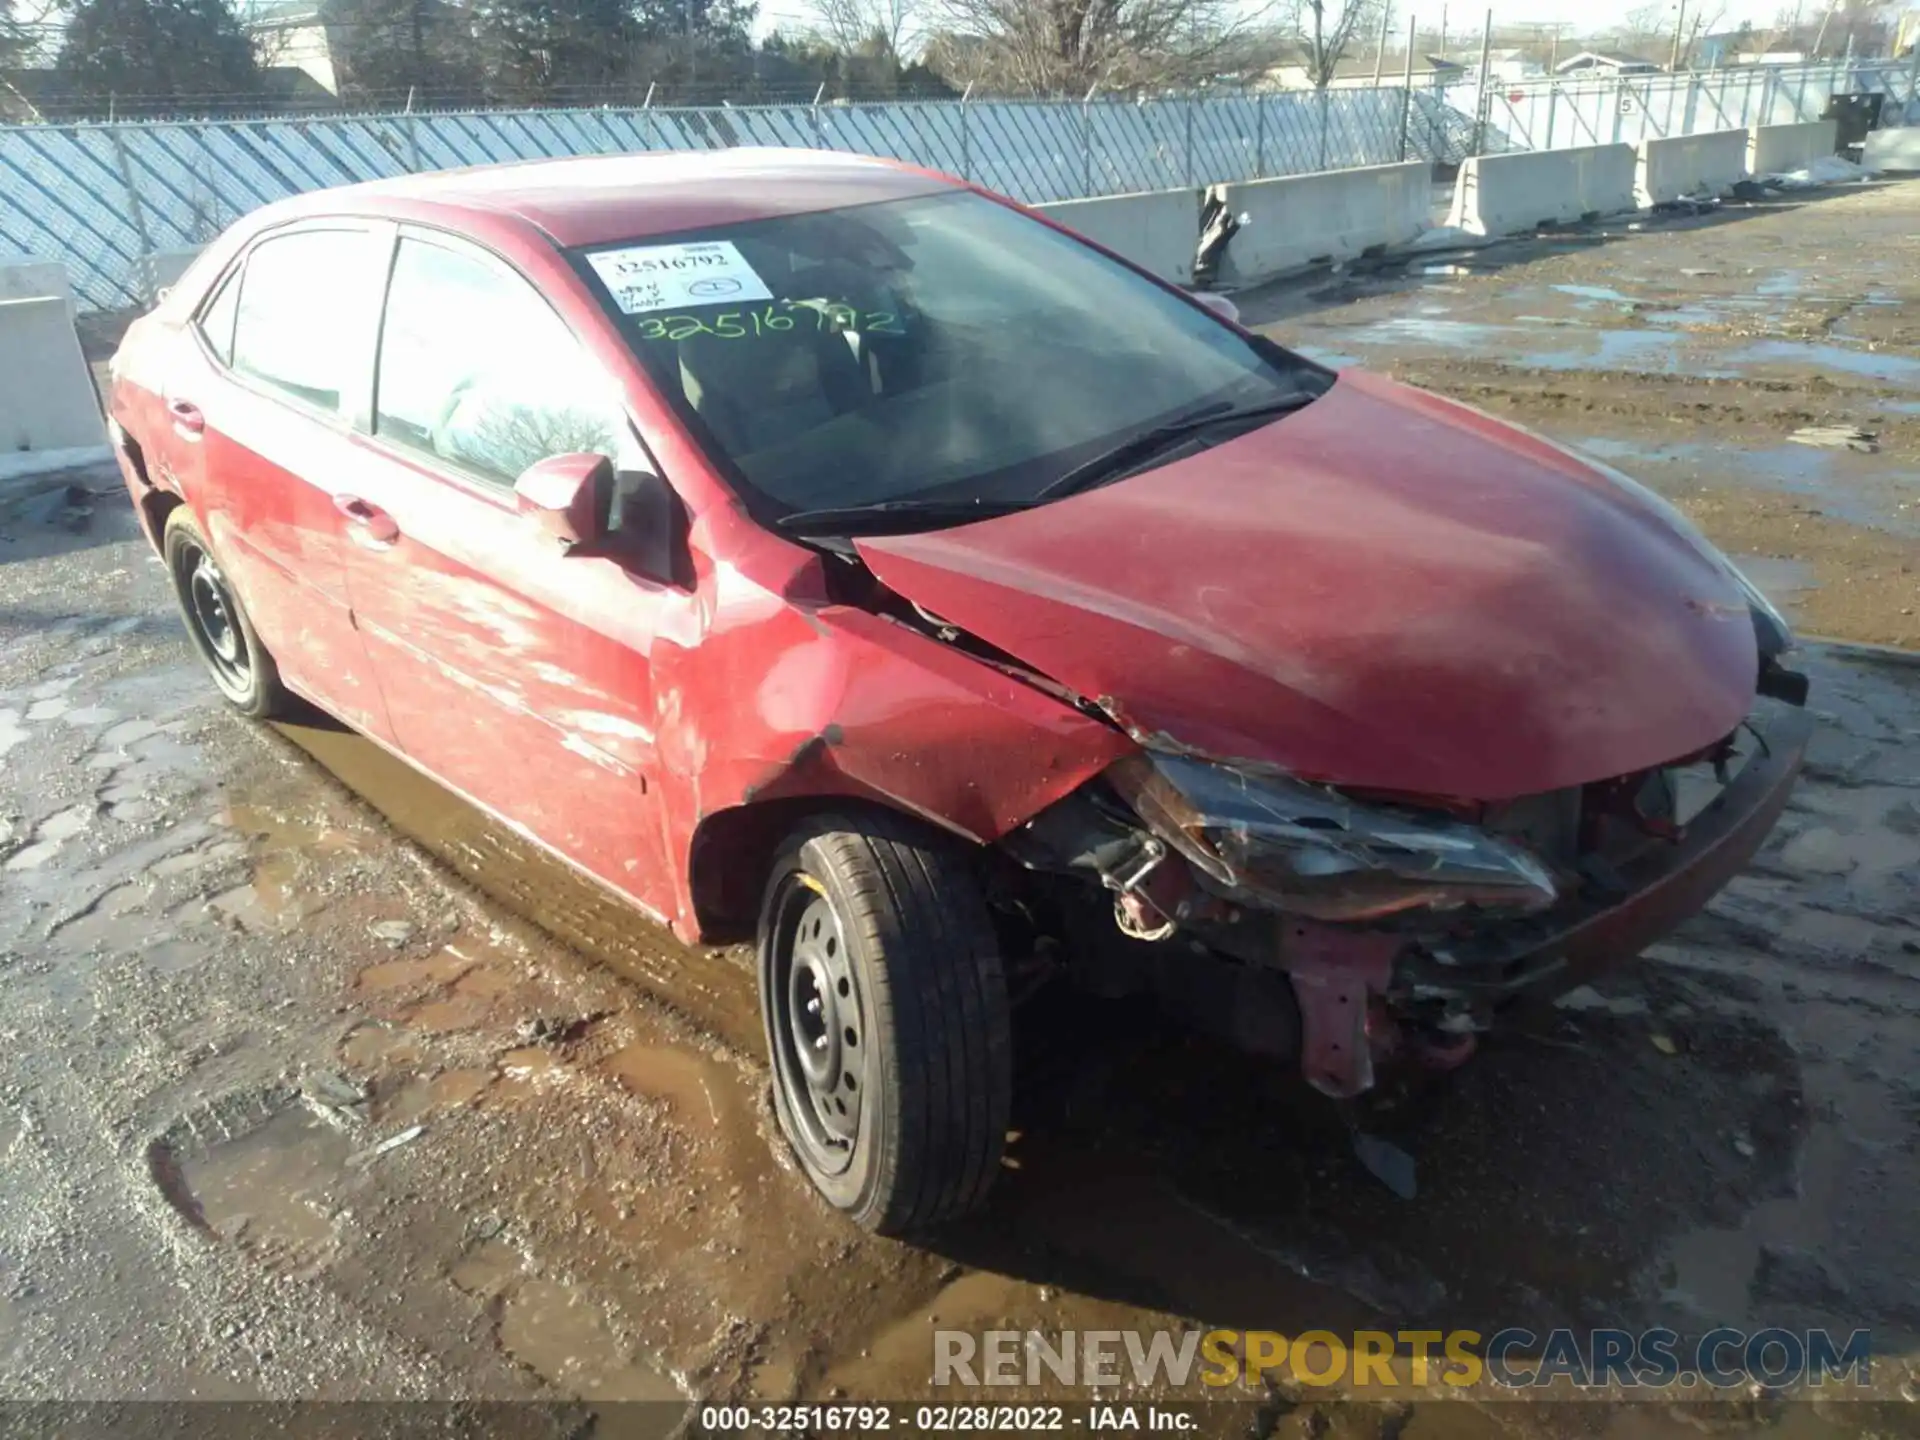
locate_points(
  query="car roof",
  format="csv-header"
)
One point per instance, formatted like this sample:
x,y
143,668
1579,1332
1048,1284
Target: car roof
x,y
598,199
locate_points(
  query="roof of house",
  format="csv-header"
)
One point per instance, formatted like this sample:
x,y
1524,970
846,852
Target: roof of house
x,y
1599,58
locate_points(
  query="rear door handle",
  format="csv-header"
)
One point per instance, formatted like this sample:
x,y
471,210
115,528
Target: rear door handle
x,y
186,417
372,526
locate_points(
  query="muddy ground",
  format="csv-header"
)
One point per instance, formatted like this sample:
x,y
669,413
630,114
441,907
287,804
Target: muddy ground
x,y
316,1085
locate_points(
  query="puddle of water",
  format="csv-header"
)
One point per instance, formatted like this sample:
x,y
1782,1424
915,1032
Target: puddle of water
x,y
127,732
449,1090
441,968
106,924
1808,470
488,1269
1642,350
371,1046
1898,369
440,1017
274,1191
1596,293
528,1061
699,1089
715,988
1783,581
32,857
1332,359
557,1331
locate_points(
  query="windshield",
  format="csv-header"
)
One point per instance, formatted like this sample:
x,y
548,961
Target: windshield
x,y
938,349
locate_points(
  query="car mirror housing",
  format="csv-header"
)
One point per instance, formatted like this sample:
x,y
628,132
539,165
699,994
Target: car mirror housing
x,y
567,496
1219,305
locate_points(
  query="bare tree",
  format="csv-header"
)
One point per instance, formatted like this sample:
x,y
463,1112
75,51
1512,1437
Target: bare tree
x,y
1054,47
856,27
1326,30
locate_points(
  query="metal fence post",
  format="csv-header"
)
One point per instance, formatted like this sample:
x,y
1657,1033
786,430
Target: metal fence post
x,y
1553,104
1767,83
966,135
1086,143
1484,110
1406,95
1260,134
1190,170
136,213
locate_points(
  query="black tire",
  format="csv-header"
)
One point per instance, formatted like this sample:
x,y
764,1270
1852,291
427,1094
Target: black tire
x,y
218,623
899,1112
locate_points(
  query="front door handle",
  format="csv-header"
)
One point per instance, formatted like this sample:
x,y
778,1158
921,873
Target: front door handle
x,y
372,526
186,417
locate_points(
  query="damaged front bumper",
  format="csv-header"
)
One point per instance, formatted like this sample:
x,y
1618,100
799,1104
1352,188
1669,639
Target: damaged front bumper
x,y
1359,974
1360,993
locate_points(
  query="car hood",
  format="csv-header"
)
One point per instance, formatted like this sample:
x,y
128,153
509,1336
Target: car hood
x,y
1384,590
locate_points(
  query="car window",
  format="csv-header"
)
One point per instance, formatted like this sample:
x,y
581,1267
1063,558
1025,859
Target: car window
x,y
297,325
216,321
475,368
941,347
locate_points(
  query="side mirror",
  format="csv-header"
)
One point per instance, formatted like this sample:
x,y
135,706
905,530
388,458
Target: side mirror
x,y
1219,305
567,496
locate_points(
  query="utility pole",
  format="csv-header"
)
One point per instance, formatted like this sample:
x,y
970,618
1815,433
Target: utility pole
x,y
1380,55
1679,23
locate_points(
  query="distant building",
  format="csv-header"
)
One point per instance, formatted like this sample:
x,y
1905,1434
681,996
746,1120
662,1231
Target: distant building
x,y
1511,65
1596,64
1357,72
318,37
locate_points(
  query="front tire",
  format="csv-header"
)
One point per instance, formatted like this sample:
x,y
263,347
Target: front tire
x,y
216,621
887,1022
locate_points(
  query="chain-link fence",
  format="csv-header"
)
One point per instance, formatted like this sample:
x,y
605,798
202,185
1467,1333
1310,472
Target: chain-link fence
x,y
101,196
1553,114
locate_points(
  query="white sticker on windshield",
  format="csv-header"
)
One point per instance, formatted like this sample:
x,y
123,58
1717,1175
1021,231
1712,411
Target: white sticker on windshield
x,y
665,277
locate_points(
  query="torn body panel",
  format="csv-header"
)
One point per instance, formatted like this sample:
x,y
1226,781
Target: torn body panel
x,y
836,703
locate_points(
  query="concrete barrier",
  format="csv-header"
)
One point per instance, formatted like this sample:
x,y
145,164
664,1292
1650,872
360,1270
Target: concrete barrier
x,y
47,401
1896,149
30,278
1156,229
156,272
1506,194
1779,149
1706,164
1300,220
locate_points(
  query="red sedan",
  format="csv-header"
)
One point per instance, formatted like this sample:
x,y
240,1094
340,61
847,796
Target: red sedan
x,y
811,547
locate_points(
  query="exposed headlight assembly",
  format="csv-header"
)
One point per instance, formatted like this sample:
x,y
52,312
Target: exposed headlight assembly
x,y
1310,851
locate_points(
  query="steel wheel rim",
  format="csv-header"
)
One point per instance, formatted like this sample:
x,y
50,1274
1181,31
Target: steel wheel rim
x,y
214,615
818,1029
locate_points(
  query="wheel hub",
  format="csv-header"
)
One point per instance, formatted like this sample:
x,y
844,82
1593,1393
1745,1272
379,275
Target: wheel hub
x,y
819,1030
212,609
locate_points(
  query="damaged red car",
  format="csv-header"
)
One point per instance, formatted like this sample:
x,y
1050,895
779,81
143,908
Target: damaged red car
x,y
815,549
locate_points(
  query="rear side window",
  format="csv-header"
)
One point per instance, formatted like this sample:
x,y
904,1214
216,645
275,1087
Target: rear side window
x,y
299,325
475,368
216,321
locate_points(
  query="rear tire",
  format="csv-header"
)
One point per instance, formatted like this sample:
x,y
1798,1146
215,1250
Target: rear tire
x,y
886,1016
217,622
